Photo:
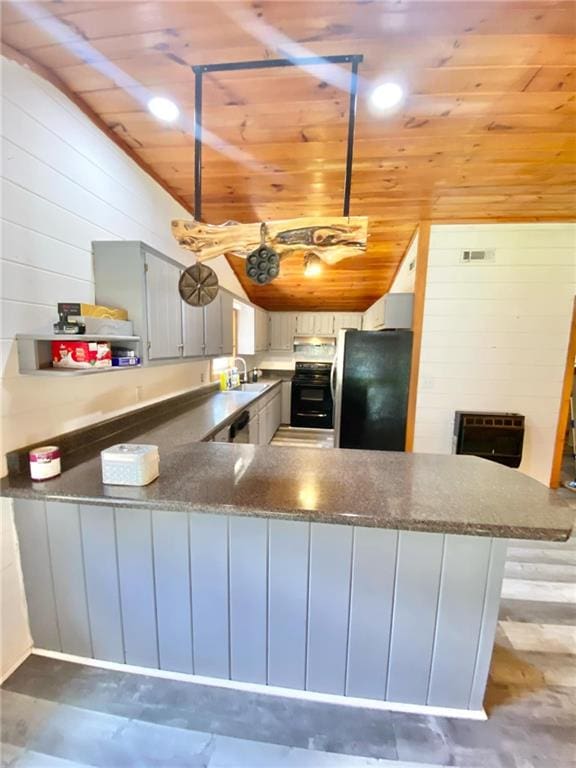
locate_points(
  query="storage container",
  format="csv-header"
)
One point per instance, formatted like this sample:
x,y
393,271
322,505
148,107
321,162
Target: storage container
x,y
130,464
81,354
45,462
105,326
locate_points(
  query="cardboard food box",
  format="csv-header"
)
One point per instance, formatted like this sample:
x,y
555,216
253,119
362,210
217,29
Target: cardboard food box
x,y
81,354
77,309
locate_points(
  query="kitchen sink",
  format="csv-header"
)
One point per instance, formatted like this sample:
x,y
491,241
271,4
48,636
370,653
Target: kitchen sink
x,y
250,387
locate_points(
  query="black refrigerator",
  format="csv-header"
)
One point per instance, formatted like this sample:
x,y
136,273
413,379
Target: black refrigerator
x,y
370,382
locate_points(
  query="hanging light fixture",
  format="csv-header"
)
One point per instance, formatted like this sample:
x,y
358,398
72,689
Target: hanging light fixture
x,y
312,265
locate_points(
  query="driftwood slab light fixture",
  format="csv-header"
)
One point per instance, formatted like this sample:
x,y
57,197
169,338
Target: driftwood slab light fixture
x,y
331,238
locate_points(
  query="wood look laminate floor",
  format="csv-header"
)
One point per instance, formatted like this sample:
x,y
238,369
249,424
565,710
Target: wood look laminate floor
x,y
61,715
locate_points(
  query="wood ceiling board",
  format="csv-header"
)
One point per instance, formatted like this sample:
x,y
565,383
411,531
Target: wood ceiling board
x,y
486,131
309,23
405,50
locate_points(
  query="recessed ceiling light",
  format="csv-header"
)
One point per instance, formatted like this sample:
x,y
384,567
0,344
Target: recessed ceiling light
x,y
386,95
163,109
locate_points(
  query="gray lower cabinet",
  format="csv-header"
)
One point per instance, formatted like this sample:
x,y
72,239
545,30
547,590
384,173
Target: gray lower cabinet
x,y
140,279
254,429
270,418
286,402
399,616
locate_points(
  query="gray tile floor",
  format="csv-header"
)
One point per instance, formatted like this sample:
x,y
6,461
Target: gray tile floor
x,y
61,715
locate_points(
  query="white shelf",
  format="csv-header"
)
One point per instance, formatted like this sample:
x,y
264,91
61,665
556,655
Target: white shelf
x,y
64,372
74,337
35,353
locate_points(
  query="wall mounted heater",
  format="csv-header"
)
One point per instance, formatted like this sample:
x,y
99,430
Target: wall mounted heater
x,y
498,437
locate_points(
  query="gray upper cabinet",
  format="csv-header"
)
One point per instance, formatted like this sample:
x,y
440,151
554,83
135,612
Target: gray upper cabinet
x,y
398,309
305,324
164,310
282,329
393,310
132,275
213,326
193,330
226,311
347,320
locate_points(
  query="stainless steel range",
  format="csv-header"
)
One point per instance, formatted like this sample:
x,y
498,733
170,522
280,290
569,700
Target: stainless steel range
x,y
311,404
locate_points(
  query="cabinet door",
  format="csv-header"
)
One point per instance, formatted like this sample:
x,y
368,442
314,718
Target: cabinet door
x,y
222,436
379,313
227,311
347,320
305,324
282,328
264,425
164,309
261,329
276,330
276,414
192,330
324,324
254,429
288,330
265,331
397,310
213,340
286,401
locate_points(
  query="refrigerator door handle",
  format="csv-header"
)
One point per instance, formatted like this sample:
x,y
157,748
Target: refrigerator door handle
x,y
333,377
336,380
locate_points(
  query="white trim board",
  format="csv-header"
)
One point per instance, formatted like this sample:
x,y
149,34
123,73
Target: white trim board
x,y
270,690
15,666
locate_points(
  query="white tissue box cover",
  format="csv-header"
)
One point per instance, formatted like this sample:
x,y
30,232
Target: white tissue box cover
x,y
130,464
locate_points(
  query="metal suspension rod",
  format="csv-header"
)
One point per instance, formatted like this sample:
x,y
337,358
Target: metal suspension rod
x,y
198,143
199,70
351,130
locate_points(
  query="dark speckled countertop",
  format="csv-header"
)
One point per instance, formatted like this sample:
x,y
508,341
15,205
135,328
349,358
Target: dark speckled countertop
x,y
403,491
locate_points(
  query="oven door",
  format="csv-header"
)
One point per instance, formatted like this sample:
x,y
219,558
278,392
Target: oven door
x,y
311,405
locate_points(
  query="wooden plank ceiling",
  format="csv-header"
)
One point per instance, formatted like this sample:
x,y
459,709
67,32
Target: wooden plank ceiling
x,y
486,131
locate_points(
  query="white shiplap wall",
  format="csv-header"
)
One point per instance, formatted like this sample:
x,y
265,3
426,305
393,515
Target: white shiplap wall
x,y
495,335
405,278
65,184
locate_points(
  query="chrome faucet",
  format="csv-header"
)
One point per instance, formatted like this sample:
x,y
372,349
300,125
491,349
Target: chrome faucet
x,y
245,367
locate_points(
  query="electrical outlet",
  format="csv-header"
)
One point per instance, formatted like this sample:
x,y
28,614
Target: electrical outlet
x,y
202,378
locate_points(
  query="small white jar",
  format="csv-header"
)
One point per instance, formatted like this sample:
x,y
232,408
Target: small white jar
x,y
45,462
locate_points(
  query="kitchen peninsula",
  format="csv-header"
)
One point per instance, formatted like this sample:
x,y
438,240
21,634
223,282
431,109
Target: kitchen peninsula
x,y
360,576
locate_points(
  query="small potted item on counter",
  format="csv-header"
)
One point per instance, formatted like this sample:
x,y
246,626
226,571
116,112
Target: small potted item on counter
x,y
45,462
130,464
81,354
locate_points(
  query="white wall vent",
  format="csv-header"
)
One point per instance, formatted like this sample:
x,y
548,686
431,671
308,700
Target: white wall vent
x,y
469,257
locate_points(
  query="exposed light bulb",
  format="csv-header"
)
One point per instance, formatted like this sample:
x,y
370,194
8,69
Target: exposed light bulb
x,y
163,109
312,265
386,95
